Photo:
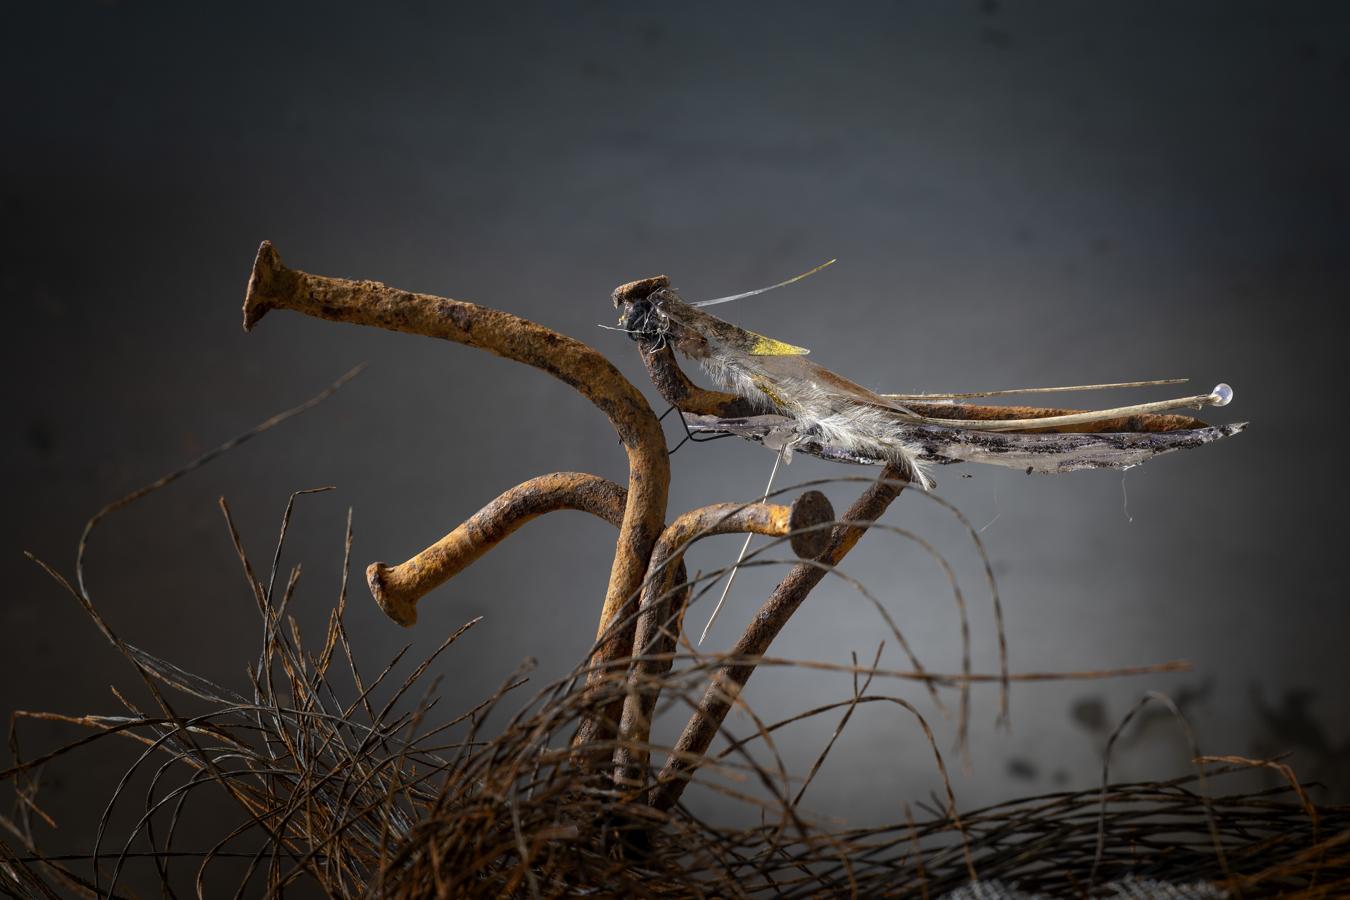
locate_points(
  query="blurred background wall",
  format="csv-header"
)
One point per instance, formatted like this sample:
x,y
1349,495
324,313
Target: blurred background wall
x,y
1019,194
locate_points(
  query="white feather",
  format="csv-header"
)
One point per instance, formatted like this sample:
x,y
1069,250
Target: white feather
x,y
817,412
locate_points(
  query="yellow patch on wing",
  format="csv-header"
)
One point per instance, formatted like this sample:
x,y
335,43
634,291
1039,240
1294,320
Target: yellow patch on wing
x,y
767,346
765,387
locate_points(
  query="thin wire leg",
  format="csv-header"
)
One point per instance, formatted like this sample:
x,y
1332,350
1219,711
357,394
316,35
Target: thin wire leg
x,y
690,436
778,458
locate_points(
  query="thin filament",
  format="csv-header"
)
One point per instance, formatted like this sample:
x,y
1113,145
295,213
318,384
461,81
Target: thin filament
x,y
762,290
744,548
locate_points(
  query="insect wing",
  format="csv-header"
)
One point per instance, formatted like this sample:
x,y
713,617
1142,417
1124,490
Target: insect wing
x,y
796,376
1053,453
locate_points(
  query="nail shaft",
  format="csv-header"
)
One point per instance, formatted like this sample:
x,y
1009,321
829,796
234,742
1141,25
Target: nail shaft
x,y
274,286
397,589
661,610
729,680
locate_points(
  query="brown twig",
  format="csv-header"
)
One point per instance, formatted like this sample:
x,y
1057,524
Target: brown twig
x,y
658,626
370,303
397,589
728,681
1284,769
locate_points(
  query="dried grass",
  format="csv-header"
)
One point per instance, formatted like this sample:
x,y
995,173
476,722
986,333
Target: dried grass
x,y
346,782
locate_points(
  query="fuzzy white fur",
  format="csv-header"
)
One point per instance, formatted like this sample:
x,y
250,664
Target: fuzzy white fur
x,y
818,410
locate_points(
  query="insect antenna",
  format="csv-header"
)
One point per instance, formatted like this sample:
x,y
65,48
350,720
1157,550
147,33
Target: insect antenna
x,y
762,290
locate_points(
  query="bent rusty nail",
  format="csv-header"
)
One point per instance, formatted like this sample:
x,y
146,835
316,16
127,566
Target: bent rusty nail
x,y
274,286
729,680
805,524
397,589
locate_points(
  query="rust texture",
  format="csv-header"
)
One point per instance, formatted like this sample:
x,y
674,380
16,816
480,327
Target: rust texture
x,y
640,289
273,286
667,582
677,390
727,682
397,589
661,610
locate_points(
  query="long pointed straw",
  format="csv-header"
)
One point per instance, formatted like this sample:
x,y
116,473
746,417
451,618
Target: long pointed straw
x,y
744,549
1222,395
1066,389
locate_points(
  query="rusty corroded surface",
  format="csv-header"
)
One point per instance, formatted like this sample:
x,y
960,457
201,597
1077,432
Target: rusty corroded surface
x,y
661,610
728,681
666,574
637,290
273,286
677,390
397,589
809,511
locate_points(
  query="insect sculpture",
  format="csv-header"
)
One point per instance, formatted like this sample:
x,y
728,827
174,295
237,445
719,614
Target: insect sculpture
x,y
808,408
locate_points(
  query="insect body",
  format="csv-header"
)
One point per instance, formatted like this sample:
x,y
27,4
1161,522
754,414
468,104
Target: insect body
x,y
810,408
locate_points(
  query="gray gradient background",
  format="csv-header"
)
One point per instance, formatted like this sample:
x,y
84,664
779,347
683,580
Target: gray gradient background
x,y
1019,193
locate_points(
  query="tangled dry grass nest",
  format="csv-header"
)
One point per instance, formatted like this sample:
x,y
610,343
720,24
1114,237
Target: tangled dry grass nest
x,y
341,780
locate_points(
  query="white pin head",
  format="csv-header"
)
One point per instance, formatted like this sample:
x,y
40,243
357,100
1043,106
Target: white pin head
x,y
1222,395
